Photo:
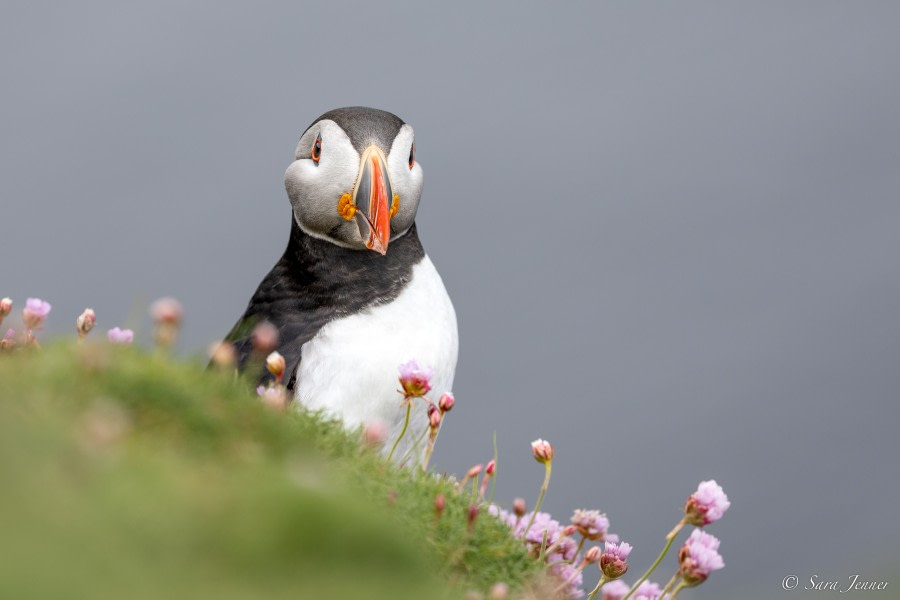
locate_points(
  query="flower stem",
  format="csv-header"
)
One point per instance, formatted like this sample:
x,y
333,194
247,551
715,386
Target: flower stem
x,y
402,431
540,501
597,589
678,589
494,479
669,585
578,549
669,539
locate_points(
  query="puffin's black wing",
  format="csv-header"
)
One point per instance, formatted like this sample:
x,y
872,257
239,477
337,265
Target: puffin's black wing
x,y
316,282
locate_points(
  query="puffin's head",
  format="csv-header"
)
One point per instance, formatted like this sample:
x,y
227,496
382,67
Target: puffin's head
x,y
355,180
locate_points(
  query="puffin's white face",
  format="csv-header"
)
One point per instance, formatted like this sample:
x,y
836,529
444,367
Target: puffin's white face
x,y
359,200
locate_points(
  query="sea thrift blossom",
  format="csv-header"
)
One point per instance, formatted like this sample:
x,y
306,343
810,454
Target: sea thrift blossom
x,y
613,561
446,402
542,451
434,417
275,364
615,590
120,336
85,322
9,340
572,575
706,505
35,312
592,524
375,432
273,396
264,338
499,591
439,504
472,515
223,355
415,380
699,557
648,590
167,310
592,554
519,507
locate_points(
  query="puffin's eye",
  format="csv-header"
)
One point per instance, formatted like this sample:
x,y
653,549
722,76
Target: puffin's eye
x,y
317,149
412,156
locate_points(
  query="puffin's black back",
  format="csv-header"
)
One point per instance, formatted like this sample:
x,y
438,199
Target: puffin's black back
x,y
314,283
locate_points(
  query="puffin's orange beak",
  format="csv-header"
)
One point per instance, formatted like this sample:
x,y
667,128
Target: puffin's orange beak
x,y
372,197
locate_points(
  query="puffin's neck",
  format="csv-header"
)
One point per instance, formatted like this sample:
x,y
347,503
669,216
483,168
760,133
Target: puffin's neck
x,y
315,261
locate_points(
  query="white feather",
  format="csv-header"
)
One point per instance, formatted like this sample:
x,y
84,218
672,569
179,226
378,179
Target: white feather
x,y
349,369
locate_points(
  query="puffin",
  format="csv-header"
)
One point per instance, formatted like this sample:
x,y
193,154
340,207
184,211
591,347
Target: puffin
x,y
354,295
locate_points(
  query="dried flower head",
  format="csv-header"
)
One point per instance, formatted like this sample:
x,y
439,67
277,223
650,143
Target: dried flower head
x,y
706,505
275,364
415,380
85,322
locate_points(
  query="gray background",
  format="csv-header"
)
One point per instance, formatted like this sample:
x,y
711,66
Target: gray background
x,y
670,231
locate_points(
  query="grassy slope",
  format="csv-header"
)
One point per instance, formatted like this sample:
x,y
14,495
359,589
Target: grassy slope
x,y
129,475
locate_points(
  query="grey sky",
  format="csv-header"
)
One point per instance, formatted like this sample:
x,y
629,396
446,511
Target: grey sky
x,y
670,231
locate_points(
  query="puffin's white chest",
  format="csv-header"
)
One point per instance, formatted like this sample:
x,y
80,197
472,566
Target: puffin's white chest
x,y
349,368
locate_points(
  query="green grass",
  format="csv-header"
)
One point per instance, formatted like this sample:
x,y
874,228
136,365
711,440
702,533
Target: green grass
x,y
130,475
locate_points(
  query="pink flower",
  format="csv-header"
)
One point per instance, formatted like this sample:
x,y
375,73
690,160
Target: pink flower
x,y
615,590
592,554
613,561
9,340
375,431
167,310
648,590
499,591
415,380
273,396
446,402
434,417
491,468
542,451
699,557
35,312
591,523
519,507
5,307
706,505
120,336
264,338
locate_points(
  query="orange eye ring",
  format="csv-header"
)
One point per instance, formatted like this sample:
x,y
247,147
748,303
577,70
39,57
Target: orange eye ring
x,y
316,153
412,156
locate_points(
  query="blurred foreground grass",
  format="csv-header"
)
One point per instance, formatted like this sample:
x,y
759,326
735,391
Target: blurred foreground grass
x,y
130,475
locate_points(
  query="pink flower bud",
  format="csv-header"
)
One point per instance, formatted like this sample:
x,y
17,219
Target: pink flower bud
x,y
472,515
5,307
474,471
120,336
167,310
613,560
35,312
223,355
375,432
519,507
439,504
699,557
85,322
542,451
415,380
264,338
446,402
490,468
434,417
275,365
592,555
9,340
569,530
706,505
499,591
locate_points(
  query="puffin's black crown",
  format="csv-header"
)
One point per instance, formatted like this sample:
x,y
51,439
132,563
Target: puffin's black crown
x,y
365,126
